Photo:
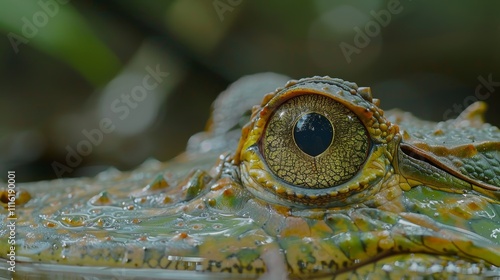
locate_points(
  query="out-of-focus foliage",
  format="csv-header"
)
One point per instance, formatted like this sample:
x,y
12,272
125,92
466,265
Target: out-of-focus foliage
x,y
73,69
60,31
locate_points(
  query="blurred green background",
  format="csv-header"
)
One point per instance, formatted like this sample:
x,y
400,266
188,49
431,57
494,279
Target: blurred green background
x,y
66,62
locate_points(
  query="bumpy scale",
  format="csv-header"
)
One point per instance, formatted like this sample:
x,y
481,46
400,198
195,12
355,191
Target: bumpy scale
x,y
320,183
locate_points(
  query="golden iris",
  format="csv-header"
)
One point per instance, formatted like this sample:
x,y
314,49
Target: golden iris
x,y
313,141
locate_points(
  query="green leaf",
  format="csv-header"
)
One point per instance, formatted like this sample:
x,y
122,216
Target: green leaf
x,y
56,28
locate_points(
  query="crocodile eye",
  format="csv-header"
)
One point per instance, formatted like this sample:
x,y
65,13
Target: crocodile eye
x,y
317,142
313,141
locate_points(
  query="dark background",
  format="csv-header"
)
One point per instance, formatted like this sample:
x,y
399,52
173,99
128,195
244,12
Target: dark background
x,y
76,58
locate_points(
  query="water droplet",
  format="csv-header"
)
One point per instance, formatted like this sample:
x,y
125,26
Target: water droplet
x,y
74,220
129,207
212,202
197,226
50,224
217,226
102,198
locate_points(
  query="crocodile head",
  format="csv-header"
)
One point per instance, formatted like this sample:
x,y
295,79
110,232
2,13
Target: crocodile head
x,y
319,183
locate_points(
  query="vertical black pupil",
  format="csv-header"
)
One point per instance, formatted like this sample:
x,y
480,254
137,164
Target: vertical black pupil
x,y
313,133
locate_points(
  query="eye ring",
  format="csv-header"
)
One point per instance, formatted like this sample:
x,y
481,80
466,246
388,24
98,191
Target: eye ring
x,y
269,186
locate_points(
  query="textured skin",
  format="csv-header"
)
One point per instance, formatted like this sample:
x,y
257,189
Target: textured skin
x,y
425,204
465,145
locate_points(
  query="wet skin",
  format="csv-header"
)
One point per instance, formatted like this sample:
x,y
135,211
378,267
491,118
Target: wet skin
x,y
315,182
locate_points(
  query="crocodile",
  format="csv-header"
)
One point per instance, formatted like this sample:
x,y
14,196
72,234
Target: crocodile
x,y
292,179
